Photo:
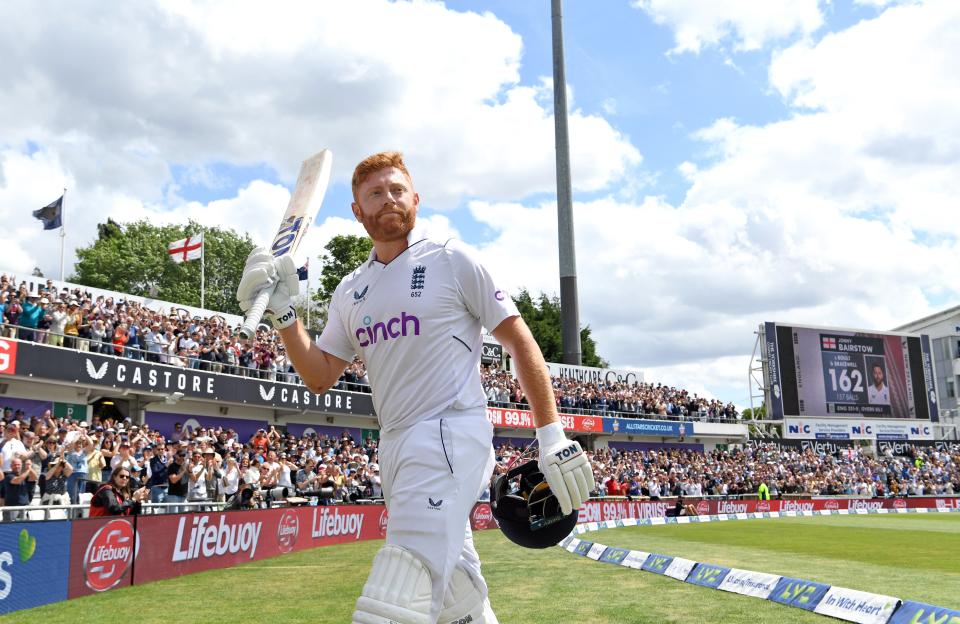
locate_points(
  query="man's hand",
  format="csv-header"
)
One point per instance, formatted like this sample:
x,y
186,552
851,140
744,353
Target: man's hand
x,y
262,271
565,467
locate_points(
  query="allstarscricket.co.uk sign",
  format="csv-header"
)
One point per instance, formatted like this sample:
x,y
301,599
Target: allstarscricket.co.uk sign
x,y
40,361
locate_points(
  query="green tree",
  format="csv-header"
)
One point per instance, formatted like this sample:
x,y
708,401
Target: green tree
x,y
344,254
543,317
133,258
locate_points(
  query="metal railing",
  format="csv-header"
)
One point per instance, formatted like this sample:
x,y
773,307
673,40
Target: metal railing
x,y
610,413
75,511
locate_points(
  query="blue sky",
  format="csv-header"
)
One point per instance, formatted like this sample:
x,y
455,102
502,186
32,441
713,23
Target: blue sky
x,y
614,53
734,162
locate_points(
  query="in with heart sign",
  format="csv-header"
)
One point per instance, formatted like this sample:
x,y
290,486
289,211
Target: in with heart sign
x,y
28,545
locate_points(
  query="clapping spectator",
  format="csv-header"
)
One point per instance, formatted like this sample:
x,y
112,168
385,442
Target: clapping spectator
x,y
16,488
55,489
115,497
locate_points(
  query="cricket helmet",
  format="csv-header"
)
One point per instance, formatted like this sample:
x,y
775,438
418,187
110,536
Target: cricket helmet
x,y
526,509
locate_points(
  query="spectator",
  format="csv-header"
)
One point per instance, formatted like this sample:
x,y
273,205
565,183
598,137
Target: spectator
x,y
115,498
16,492
178,479
12,447
30,317
197,488
230,481
58,323
212,476
158,480
307,480
55,488
120,338
12,311
125,458
72,328
77,458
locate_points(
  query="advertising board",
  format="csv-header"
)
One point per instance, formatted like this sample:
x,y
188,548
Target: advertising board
x,y
103,553
173,545
45,362
642,427
604,510
34,559
839,429
523,419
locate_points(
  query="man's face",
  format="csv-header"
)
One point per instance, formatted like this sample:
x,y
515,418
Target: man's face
x,y
877,375
386,205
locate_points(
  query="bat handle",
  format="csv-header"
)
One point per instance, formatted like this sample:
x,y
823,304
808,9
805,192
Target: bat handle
x,y
249,328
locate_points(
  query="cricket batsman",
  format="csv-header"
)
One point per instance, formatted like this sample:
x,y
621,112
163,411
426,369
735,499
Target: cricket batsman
x,y
413,311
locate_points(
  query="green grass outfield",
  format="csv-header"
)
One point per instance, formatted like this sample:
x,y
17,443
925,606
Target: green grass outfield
x,y
910,556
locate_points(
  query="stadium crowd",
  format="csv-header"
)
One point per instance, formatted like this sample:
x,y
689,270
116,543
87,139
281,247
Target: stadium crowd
x,y
632,399
77,320
51,461
125,328
46,460
785,471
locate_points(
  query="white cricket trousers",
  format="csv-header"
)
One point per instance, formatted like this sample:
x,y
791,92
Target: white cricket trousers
x,y
432,473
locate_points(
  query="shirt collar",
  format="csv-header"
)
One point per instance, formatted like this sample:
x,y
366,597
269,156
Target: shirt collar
x,y
417,234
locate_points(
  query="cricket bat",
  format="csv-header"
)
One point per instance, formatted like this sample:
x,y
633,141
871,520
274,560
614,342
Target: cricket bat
x,y
301,211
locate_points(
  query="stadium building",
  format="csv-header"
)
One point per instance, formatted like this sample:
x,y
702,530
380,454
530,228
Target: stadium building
x,y
944,331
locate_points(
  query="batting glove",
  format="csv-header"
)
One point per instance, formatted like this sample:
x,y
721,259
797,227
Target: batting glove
x,y
565,467
262,271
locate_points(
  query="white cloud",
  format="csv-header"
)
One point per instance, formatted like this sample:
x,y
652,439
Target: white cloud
x,y
842,214
120,94
746,24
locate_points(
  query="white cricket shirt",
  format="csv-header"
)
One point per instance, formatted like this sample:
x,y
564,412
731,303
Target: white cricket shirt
x,y
416,323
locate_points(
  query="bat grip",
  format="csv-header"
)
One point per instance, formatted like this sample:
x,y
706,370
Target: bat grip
x,y
249,328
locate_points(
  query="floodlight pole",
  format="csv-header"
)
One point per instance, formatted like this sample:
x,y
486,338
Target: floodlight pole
x,y
569,306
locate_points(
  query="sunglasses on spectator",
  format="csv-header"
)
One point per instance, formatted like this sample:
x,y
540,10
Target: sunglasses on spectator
x,y
123,476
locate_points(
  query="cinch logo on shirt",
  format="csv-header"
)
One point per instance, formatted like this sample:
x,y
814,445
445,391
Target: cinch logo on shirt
x,y
385,330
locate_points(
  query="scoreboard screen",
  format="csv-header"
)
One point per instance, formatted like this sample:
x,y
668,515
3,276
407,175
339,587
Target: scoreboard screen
x,y
832,372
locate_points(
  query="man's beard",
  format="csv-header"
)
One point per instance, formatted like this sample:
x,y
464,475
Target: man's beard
x,y
392,229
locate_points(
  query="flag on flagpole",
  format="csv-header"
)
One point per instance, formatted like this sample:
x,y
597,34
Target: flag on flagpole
x,y
51,215
303,271
185,249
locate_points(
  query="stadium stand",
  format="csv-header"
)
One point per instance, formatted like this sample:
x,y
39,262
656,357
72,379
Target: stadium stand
x,y
127,327
66,455
270,465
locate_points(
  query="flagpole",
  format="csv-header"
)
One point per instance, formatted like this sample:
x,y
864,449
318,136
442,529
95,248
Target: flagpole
x,y
203,270
308,294
63,233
